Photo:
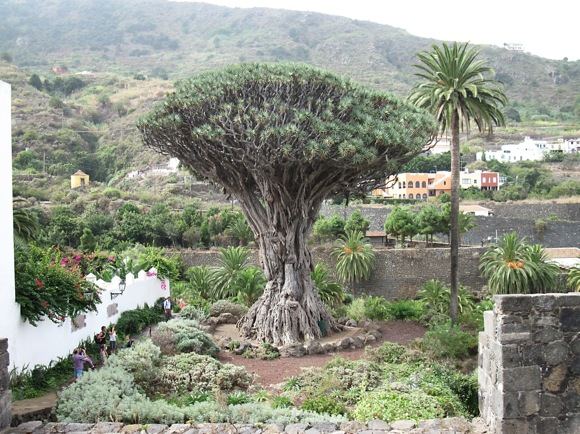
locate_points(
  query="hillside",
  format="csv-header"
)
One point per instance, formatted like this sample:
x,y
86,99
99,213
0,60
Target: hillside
x,y
176,39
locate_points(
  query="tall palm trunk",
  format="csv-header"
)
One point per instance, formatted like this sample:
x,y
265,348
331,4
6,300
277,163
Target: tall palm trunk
x,y
454,232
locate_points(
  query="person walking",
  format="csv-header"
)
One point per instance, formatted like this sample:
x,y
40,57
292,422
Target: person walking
x,y
167,308
79,360
101,337
103,354
112,339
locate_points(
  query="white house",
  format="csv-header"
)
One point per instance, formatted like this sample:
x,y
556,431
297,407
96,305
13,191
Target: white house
x,y
530,150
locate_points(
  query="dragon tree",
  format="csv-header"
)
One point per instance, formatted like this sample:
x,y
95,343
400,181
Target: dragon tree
x,y
281,138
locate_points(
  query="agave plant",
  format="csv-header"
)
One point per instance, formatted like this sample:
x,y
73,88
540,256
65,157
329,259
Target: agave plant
x,y
514,267
329,291
574,279
354,257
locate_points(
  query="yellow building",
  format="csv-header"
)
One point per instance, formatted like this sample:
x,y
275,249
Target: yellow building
x,y
79,179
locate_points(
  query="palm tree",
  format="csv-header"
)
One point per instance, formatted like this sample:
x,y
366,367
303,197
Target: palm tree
x,y
458,89
25,224
513,267
354,257
329,291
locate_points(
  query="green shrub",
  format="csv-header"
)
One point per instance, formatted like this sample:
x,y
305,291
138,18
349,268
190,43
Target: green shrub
x,y
435,296
141,360
387,353
282,402
405,310
198,373
184,336
226,306
194,313
238,398
324,404
390,405
448,340
132,322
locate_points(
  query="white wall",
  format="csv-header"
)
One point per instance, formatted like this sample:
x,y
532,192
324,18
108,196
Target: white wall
x,y
48,341
9,311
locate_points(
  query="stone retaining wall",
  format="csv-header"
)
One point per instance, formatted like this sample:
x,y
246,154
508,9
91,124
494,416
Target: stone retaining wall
x,y
529,364
455,425
5,398
398,273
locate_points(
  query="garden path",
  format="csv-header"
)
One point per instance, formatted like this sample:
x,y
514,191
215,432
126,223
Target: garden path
x,y
272,372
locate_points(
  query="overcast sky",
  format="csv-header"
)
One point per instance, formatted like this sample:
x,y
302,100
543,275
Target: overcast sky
x,y
546,28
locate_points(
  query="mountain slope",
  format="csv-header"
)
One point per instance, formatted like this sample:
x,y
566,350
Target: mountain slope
x,y
177,39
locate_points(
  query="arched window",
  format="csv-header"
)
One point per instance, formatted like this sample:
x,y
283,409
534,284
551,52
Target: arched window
x,y
424,195
417,184
399,185
424,184
411,196
404,184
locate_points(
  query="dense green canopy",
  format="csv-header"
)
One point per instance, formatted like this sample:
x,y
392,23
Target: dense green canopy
x,y
284,122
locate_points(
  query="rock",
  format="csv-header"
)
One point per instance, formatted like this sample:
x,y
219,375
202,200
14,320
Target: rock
x,y
369,339
329,347
243,347
358,342
273,428
343,320
27,427
79,427
556,353
56,427
179,428
379,425
455,424
344,343
351,323
292,350
324,427
403,425
365,325
130,429
312,431
430,424
376,333
296,428
107,427
352,426
555,380
478,426
313,347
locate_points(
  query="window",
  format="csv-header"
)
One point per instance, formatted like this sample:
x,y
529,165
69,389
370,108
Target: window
x,y
399,185
411,196
403,195
475,181
484,179
404,184
424,185
444,182
417,184
424,195
493,179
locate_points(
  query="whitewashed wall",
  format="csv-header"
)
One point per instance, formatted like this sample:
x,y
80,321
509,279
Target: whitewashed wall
x,y
28,345
48,341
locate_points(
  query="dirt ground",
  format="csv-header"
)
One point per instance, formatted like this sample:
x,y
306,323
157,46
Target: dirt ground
x,y
270,372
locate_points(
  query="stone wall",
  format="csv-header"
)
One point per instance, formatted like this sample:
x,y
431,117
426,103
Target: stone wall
x,y
564,232
529,364
398,274
5,398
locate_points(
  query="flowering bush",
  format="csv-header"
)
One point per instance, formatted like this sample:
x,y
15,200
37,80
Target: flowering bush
x,y
142,361
197,373
185,336
47,287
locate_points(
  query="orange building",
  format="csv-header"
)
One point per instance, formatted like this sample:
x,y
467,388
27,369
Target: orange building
x,y
416,186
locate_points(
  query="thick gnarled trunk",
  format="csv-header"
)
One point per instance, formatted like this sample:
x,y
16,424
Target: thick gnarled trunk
x,y
290,309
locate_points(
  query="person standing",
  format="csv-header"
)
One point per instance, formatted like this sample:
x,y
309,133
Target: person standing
x,y
79,360
113,339
167,308
103,354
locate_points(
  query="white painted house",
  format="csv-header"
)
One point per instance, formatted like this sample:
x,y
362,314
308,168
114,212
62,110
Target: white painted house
x,y
530,150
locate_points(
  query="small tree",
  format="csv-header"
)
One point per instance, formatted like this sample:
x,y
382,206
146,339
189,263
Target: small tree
x,y
281,139
35,81
356,222
88,241
401,223
429,221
